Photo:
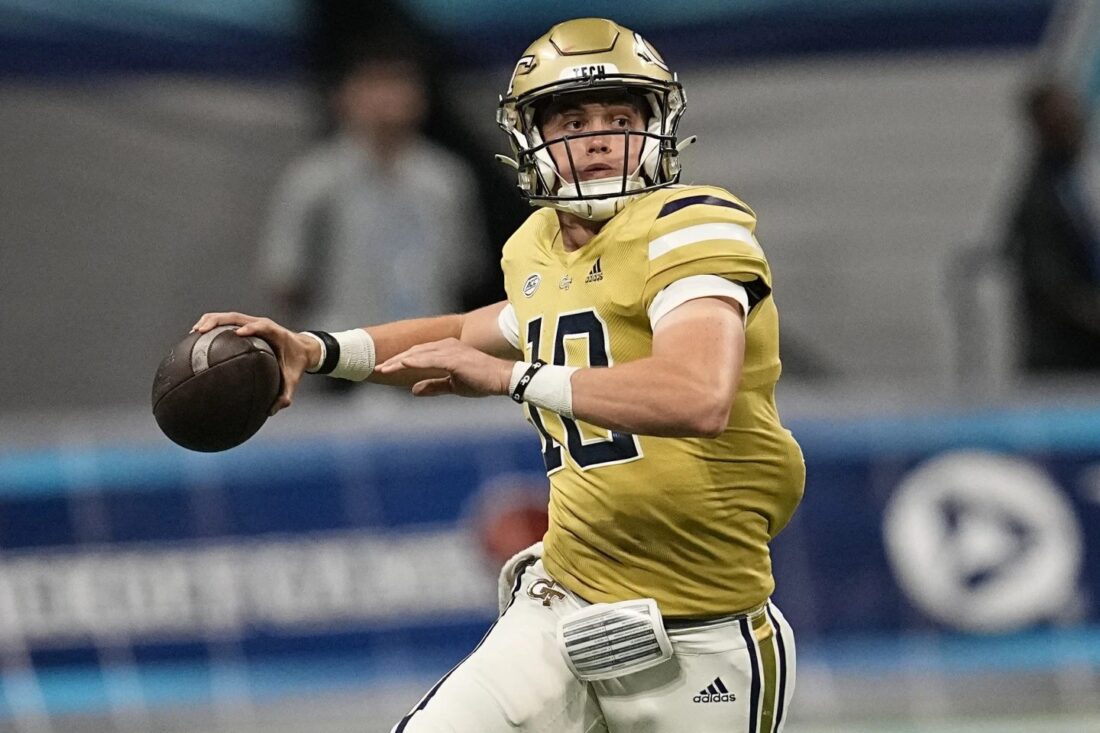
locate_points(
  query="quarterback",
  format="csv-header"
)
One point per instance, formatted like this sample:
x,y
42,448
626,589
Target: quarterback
x,y
641,338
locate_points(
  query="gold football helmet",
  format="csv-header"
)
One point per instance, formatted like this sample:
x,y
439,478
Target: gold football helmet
x,y
583,55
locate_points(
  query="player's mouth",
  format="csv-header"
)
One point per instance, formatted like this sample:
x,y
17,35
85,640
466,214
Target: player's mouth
x,y
597,170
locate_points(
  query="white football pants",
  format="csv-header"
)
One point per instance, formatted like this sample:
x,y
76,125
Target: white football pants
x,y
732,675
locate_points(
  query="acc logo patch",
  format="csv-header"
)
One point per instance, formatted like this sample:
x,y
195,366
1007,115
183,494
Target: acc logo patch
x,y
532,284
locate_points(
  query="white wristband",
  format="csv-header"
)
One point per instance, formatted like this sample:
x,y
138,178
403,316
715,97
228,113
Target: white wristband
x,y
551,388
356,355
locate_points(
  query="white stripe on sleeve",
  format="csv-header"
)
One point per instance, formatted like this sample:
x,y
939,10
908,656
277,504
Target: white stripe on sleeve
x,y
508,323
692,287
700,233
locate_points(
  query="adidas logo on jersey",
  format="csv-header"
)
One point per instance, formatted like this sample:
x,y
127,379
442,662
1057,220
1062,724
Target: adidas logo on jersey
x,y
596,273
715,692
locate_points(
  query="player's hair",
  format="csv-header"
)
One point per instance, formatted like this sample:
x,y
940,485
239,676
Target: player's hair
x,y
569,102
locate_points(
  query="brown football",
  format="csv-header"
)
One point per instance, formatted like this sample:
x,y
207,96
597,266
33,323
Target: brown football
x,y
214,390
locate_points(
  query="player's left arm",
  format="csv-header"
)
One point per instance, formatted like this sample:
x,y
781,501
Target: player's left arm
x,y
685,388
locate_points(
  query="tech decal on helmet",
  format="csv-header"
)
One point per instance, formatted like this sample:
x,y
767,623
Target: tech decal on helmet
x,y
585,55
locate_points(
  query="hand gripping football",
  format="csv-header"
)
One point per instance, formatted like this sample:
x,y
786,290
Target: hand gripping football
x,y
215,390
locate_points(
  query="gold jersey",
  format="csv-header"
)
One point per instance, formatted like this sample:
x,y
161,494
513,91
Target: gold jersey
x,y
685,521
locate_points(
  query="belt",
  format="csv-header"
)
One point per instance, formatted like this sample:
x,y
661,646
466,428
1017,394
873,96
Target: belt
x,y
756,615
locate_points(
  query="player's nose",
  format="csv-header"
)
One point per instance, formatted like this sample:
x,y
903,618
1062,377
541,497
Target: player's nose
x,y
599,144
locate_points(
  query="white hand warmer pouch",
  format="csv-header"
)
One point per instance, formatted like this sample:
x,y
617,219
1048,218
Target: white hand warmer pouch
x,y
608,640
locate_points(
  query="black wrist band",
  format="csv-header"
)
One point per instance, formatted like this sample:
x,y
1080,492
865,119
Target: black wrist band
x,y
525,380
332,352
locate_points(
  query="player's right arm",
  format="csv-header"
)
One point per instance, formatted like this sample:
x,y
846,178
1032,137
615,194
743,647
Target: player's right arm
x,y
298,352
479,328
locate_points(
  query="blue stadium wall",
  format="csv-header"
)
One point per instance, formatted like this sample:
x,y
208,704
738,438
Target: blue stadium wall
x,y
950,542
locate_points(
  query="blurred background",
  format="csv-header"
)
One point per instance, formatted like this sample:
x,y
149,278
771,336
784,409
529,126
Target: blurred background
x,y
925,186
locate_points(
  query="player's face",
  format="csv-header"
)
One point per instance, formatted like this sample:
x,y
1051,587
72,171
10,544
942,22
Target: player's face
x,y
598,155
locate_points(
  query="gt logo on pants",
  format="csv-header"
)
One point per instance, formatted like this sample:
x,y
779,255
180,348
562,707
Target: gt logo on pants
x,y
545,591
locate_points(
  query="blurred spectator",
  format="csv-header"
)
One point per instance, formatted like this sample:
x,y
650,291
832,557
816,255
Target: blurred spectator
x,y
377,223
339,25
1054,241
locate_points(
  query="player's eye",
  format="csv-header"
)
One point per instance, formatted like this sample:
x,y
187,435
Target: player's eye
x,y
573,125
621,122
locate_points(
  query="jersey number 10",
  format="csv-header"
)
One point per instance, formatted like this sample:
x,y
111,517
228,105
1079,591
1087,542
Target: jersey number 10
x,y
619,447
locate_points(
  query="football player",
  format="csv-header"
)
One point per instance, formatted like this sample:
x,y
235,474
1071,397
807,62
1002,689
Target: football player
x,y
642,339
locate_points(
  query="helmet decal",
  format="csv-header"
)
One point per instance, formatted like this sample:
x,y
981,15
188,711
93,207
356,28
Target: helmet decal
x,y
647,53
523,66
588,71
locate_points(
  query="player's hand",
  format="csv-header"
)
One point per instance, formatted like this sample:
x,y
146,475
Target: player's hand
x,y
295,352
470,373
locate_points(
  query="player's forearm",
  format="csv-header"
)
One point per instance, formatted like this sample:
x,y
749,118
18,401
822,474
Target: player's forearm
x,y
651,397
393,338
